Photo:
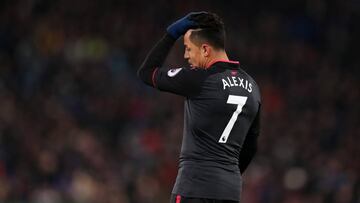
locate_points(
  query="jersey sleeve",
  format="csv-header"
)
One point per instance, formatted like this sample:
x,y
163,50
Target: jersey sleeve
x,y
154,59
181,81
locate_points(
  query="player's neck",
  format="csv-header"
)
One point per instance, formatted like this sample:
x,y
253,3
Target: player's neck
x,y
219,56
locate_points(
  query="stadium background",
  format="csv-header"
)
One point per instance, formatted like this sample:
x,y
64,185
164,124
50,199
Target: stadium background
x,y
76,125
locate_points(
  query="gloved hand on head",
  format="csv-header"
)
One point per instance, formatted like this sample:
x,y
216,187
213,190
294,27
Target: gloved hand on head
x,y
181,26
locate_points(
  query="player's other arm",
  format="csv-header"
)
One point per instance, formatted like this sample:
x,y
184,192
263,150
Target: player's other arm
x,y
250,144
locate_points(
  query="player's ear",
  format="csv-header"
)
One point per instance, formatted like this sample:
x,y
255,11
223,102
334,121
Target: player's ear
x,y
205,50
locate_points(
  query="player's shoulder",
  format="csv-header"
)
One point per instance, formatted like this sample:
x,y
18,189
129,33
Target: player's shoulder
x,y
192,77
248,76
185,69
252,80
187,72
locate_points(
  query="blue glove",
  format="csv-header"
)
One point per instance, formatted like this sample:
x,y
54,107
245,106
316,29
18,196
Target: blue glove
x,y
182,25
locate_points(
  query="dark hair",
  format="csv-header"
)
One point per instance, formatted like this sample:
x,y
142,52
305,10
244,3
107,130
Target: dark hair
x,y
210,30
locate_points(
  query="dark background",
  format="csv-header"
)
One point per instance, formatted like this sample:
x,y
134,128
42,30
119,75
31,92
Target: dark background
x,y
76,125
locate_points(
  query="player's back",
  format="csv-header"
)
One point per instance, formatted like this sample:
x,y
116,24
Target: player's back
x,y
216,121
220,115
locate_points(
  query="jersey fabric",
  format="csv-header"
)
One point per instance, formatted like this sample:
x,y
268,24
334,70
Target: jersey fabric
x,y
208,166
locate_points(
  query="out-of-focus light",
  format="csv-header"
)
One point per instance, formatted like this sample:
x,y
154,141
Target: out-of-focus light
x,y
295,178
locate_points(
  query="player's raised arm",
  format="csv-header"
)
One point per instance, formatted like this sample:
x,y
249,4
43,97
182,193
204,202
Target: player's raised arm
x,y
159,52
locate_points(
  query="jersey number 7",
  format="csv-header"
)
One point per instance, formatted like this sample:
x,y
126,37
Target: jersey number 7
x,y
240,102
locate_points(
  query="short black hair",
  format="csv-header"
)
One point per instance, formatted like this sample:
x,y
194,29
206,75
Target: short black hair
x,y
210,29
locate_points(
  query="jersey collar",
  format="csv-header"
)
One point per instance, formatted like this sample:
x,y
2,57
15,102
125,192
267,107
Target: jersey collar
x,y
235,63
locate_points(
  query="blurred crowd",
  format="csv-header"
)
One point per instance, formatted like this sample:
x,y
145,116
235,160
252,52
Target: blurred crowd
x,y
78,126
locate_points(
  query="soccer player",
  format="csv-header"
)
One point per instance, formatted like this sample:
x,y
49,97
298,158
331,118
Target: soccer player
x,y
222,110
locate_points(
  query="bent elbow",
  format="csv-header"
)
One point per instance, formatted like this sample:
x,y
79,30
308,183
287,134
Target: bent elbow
x,y
140,73
146,75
